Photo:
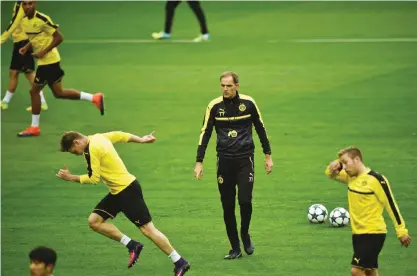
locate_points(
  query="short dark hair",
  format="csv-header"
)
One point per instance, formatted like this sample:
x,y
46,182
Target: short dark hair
x,y
43,254
230,74
68,139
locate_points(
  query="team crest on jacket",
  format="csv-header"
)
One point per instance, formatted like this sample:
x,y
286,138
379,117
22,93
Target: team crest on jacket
x,y
220,179
242,107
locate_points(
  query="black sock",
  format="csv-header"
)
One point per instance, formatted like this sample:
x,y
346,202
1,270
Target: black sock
x,y
198,11
180,262
131,245
169,14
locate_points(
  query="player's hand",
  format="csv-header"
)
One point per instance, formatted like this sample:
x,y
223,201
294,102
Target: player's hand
x,y
150,138
39,54
268,164
335,167
405,240
198,171
23,50
65,174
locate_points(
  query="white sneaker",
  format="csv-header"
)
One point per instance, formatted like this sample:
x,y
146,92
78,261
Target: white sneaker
x,y
161,35
201,38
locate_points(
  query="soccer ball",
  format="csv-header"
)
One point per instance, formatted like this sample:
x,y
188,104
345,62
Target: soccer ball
x,y
339,217
317,213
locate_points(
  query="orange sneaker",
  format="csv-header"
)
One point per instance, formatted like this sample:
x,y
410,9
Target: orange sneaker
x,y
98,100
30,131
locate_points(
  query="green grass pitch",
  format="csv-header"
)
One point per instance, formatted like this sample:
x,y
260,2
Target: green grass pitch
x,y
315,98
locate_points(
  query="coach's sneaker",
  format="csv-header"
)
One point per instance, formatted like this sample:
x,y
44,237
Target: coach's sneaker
x,y
4,106
233,254
248,244
181,266
44,107
202,38
161,35
98,100
134,251
30,131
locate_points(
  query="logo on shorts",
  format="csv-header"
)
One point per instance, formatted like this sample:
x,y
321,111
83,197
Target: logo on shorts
x,y
250,177
232,133
242,107
357,260
220,179
137,221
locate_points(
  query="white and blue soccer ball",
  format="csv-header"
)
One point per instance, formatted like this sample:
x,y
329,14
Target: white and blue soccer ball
x,y
317,213
339,217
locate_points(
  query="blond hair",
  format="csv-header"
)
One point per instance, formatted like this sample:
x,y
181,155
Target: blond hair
x,y
352,151
230,74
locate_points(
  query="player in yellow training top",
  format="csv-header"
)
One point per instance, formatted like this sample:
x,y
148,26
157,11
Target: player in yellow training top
x,y
44,37
368,194
19,63
125,191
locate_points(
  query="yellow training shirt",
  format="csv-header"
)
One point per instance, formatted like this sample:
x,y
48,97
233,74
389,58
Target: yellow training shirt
x,y
368,194
104,162
39,30
14,28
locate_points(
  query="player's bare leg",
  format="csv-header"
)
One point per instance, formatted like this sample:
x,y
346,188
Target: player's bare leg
x,y
13,81
160,240
31,78
356,271
99,225
34,129
72,94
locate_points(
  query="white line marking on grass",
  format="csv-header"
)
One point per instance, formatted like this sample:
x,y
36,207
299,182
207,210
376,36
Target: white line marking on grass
x,y
126,41
307,40
350,40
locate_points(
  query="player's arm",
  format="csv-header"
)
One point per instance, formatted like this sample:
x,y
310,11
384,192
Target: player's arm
x,y
260,128
93,167
25,48
206,131
120,136
383,192
57,39
17,18
51,29
336,172
263,137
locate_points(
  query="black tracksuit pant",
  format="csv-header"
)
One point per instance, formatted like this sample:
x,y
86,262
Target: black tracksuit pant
x,y
194,5
231,173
